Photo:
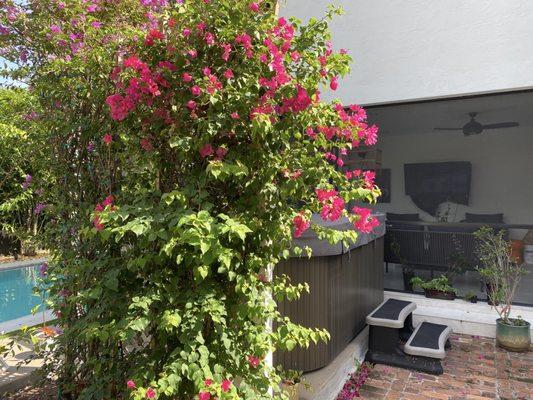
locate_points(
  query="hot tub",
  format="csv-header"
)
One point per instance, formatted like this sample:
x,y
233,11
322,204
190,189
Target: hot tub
x,y
346,284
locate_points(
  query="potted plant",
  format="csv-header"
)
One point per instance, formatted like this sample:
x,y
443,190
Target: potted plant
x,y
437,288
291,381
502,272
471,297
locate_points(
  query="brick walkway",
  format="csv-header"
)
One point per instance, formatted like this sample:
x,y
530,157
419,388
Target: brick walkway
x,y
473,369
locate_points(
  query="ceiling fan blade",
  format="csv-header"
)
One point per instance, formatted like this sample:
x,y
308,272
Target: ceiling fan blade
x,y
501,125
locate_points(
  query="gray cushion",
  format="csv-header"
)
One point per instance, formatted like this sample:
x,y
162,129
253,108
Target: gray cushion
x,y
488,218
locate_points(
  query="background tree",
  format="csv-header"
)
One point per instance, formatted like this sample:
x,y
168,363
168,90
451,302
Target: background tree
x,y
21,203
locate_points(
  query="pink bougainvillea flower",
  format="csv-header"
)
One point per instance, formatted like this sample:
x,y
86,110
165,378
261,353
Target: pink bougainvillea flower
x,y
150,393
186,32
39,207
369,177
55,28
226,384
43,269
108,201
206,150
371,135
196,91
97,224
254,7
108,138
227,51
332,204
206,71
365,222
310,132
204,396
201,26
191,105
208,382
146,144
186,77
192,53
130,384
253,361
221,153
228,74
209,39
333,83
235,115
301,224
96,24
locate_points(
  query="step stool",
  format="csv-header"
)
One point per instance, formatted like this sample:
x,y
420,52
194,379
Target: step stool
x,y
391,324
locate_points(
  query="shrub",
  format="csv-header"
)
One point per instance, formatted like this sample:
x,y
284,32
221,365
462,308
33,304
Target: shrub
x,y
501,271
187,144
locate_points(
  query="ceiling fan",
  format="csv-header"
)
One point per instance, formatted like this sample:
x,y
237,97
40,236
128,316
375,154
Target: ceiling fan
x,y
473,127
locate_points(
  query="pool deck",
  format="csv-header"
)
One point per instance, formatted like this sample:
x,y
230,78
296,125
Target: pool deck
x,y
15,375
474,369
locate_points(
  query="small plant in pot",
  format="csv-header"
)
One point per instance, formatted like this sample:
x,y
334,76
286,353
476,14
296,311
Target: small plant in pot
x,y
471,297
291,382
437,288
503,273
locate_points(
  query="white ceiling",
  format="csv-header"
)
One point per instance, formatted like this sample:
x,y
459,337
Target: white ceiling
x,y
418,118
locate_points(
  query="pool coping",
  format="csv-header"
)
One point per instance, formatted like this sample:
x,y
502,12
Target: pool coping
x,y
22,264
26,321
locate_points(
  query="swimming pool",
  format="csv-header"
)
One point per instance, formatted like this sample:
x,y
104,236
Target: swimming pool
x,y
16,292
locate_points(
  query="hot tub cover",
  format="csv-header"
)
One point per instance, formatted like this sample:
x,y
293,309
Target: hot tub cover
x,y
323,248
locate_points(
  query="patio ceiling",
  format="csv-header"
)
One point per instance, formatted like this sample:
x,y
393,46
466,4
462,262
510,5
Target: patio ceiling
x,y
423,117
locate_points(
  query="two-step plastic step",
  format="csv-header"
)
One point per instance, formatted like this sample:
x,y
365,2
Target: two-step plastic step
x,y
427,340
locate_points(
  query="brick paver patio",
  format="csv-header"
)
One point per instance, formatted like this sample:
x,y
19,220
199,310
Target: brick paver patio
x,y
474,369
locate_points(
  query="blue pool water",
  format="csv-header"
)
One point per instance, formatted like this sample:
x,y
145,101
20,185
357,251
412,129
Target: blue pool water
x,y
16,292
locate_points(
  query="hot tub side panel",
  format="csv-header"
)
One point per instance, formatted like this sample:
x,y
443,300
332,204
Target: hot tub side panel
x,y
343,290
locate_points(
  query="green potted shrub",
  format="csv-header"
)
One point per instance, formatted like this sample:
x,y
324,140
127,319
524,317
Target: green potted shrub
x,y
291,383
503,273
471,297
437,288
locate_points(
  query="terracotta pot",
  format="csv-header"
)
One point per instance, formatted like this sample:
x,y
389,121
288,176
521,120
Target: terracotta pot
x,y
437,294
513,338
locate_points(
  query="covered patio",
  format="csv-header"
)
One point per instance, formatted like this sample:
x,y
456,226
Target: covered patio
x,y
447,167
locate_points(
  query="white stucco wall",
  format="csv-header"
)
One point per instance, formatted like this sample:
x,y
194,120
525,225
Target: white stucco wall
x,y
502,171
417,49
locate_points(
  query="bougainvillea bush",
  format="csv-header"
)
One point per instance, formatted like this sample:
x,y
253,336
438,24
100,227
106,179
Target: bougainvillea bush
x,y
188,146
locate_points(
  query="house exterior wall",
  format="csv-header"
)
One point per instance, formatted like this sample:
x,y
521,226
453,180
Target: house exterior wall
x,y
419,49
501,171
